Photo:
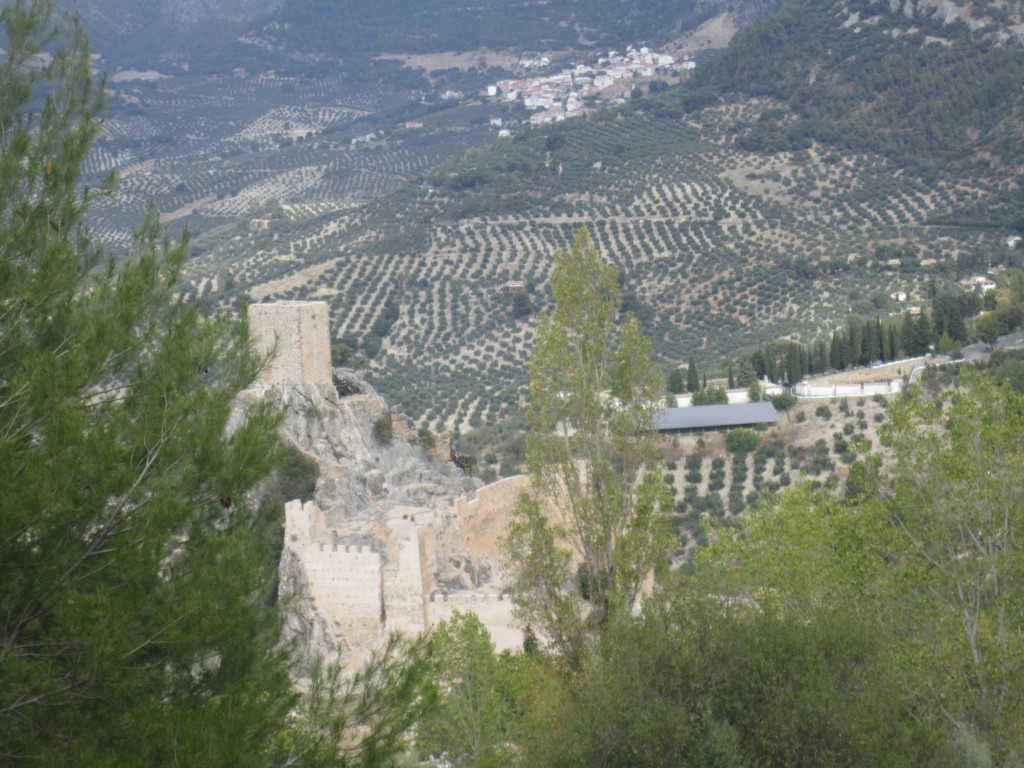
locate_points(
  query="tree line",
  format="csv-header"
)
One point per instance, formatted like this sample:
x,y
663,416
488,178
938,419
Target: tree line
x,y
952,322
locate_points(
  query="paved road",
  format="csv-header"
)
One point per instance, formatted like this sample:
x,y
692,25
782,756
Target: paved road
x,y
980,351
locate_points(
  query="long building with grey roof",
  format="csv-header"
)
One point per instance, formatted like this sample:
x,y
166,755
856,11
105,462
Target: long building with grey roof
x,y
710,418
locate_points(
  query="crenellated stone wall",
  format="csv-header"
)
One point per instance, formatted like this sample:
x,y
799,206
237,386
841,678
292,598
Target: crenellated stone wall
x,y
344,580
364,592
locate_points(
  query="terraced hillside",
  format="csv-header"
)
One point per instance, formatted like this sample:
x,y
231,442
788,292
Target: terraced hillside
x,y
816,167
719,248
217,148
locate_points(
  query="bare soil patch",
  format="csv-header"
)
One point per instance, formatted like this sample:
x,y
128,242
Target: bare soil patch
x,y
127,75
453,59
188,209
292,280
713,33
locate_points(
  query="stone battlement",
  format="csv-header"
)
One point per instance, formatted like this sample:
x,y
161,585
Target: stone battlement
x,y
468,598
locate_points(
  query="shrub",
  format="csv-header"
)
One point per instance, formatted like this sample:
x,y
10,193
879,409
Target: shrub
x,y
426,438
295,478
741,441
711,396
384,429
823,412
783,401
735,502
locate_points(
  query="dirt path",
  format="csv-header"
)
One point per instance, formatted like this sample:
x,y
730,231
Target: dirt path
x,y
187,210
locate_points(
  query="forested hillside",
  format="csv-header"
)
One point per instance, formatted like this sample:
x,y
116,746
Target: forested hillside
x,y
397,26
922,91
149,34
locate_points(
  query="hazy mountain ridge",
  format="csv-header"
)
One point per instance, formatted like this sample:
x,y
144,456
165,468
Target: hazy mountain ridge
x,y
365,26
216,36
150,34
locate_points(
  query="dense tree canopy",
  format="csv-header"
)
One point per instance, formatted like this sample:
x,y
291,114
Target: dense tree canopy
x,y
134,617
879,627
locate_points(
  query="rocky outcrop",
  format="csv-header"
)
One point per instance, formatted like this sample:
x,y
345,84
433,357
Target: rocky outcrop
x,y
359,477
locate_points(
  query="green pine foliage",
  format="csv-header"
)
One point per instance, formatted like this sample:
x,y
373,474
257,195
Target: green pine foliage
x,y
136,614
138,622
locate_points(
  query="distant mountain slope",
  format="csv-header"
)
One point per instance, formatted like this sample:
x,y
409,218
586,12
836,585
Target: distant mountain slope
x,y
920,84
801,176
217,36
795,181
156,33
720,248
309,30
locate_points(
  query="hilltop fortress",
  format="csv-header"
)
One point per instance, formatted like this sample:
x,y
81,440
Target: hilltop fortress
x,y
395,538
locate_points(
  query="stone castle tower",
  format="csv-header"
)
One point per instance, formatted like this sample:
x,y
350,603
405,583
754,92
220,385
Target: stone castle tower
x,y
300,330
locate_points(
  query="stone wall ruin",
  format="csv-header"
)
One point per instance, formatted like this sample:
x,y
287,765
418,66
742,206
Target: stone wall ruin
x,y
302,334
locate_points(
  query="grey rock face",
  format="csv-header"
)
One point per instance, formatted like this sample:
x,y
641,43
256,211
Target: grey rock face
x,y
359,477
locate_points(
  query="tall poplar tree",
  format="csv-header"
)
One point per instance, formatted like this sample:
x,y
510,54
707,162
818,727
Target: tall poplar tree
x,y
592,458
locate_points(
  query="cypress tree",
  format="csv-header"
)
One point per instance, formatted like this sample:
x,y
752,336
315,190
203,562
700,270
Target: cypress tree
x,y
793,363
872,345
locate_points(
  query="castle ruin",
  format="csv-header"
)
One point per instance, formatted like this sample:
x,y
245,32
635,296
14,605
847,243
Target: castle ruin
x,y
391,542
